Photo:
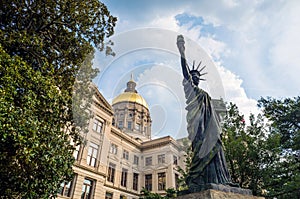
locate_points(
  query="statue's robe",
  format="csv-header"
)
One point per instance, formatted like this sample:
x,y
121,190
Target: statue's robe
x,y
208,163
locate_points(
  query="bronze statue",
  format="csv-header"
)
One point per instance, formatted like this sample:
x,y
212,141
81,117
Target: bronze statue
x,y
208,163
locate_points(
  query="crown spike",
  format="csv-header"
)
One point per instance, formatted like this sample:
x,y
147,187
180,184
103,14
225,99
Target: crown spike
x,y
199,65
194,65
202,68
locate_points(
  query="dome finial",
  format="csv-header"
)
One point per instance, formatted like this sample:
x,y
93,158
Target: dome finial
x,y
131,85
131,77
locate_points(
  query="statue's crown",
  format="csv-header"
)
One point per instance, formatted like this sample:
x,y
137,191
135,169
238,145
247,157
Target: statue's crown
x,y
198,72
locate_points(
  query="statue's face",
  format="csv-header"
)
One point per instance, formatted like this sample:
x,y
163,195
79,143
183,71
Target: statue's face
x,y
195,78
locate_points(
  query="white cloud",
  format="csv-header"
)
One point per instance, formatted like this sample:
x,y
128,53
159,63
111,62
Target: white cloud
x,y
236,94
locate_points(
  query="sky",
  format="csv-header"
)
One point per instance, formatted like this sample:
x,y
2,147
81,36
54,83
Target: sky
x,y
250,49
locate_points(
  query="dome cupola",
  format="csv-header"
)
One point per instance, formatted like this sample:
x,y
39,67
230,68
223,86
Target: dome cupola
x,y
131,112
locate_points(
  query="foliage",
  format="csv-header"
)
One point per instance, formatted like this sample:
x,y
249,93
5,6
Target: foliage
x,y
43,81
250,151
170,193
34,151
187,162
284,117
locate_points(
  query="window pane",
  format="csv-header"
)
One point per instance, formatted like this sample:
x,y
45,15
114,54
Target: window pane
x,y
65,189
175,160
136,160
113,149
125,154
137,126
111,172
148,182
90,150
120,124
108,195
124,177
87,188
93,161
92,154
161,158
129,125
97,126
176,181
161,181
148,161
135,181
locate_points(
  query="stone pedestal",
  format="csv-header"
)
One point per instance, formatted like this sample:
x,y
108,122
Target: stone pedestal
x,y
216,194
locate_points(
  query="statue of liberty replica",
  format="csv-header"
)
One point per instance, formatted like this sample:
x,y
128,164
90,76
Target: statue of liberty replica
x,y
208,165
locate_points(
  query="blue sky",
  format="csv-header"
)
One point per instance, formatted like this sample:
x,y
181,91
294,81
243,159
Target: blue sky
x,y
254,47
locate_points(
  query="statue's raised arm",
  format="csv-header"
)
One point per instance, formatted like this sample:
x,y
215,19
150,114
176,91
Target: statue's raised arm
x,y
181,48
188,74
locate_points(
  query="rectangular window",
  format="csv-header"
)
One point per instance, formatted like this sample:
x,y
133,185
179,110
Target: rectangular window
x,y
113,149
148,161
161,159
175,160
120,124
87,189
129,125
108,195
122,197
161,181
176,181
136,160
97,127
137,127
65,189
148,182
124,177
92,154
76,152
135,181
125,154
111,172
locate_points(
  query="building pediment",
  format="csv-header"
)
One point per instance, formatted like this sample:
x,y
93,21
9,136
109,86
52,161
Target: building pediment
x,y
100,101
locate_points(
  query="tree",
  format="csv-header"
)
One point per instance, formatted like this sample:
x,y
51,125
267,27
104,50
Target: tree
x,y
251,152
149,195
43,46
184,172
284,118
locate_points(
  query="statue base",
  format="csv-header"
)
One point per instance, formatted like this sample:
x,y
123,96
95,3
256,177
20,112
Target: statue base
x,y
217,194
216,191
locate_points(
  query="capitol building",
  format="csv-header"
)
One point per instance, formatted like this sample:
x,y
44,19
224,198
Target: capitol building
x,y
118,157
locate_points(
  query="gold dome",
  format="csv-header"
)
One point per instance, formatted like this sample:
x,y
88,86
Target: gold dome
x,y
130,97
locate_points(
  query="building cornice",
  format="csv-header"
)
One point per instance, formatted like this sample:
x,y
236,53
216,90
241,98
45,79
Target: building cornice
x,y
76,164
121,189
159,142
126,137
151,144
101,102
